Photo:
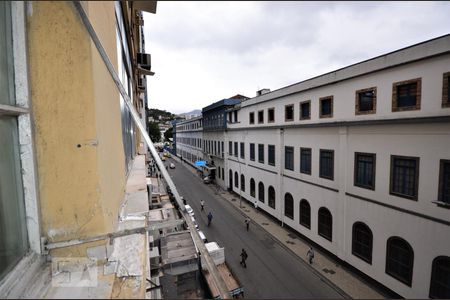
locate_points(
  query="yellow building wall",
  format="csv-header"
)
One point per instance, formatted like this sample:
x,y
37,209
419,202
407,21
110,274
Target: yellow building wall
x,y
77,124
110,151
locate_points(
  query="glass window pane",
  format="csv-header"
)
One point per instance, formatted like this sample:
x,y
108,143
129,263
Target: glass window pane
x,y
13,234
6,66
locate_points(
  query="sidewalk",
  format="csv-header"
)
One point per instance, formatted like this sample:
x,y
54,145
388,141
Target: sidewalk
x,y
345,282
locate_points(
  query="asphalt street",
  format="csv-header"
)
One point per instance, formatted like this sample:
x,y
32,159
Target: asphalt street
x,y
272,270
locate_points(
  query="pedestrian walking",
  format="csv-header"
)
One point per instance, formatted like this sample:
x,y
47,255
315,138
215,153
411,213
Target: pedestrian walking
x,y
244,257
256,205
247,222
210,216
310,255
202,204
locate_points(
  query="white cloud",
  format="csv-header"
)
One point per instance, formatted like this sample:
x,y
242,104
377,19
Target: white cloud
x,y
203,52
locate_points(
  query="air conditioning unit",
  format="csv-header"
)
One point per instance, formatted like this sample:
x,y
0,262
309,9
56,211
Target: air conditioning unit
x,y
144,63
141,84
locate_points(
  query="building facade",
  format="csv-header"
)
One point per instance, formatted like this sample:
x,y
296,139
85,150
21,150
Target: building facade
x,y
71,145
189,139
358,162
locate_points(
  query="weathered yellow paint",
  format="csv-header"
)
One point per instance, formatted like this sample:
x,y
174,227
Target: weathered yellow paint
x,y
111,161
77,122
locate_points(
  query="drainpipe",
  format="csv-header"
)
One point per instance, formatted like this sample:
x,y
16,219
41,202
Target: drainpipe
x,y
281,168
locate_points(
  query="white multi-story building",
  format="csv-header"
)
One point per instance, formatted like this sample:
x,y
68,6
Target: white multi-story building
x,y
189,137
358,162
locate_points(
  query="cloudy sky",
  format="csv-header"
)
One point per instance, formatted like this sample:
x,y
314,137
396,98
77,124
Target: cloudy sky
x,y
203,52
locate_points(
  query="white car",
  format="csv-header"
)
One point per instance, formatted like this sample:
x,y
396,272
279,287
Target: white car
x,y
189,210
194,222
207,179
172,165
202,236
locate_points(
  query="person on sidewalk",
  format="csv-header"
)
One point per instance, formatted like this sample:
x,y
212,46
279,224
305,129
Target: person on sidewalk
x,y
247,222
243,258
256,205
310,255
202,204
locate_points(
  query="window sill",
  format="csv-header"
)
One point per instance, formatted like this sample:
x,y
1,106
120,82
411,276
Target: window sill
x,y
413,198
442,204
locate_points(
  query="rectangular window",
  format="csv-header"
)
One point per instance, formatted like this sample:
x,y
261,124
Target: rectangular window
x,y
404,176
13,229
222,148
444,181
446,90
236,116
230,148
326,107
289,112
252,151
260,116
326,164
366,101
271,115
251,118
242,150
289,158
305,160
261,153
364,173
236,149
406,95
305,110
271,155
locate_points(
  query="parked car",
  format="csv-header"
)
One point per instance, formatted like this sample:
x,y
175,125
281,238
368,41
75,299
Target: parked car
x,y
207,180
202,236
194,222
189,210
163,158
172,165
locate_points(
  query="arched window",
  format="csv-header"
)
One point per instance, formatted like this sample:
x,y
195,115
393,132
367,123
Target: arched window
x,y
440,278
399,260
305,214
242,182
236,179
230,179
252,187
261,192
271,197
325,224
289,206
362,241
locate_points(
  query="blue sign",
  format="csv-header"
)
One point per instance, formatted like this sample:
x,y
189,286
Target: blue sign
x,y
200,163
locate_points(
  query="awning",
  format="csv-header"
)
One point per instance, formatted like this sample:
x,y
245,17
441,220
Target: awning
x,y
200,163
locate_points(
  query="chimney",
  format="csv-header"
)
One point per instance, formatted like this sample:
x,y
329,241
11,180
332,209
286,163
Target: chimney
x,y
262,92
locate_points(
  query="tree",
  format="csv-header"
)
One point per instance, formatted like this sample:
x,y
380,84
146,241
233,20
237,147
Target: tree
x,y
168,134
154,132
